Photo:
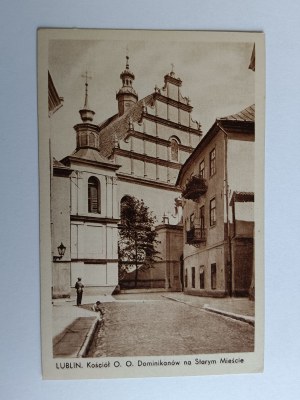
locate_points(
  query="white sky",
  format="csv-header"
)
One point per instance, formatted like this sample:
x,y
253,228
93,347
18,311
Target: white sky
x,y
215,76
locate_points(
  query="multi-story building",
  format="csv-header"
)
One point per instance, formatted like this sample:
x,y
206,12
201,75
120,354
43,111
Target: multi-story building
x,y
217,184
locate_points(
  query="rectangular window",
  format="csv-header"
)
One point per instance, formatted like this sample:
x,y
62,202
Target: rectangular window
x,y
202,218
193,277
202,284
212,212
213,276
212,162
201,169
186,279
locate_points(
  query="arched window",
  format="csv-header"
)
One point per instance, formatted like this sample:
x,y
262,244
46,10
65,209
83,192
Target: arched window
x,y
174,149
94,205
125,201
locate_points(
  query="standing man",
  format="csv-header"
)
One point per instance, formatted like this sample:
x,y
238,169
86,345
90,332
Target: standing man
x,y
79,288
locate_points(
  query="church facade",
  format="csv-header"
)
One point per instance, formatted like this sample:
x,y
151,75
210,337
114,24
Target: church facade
x,y
136,152
150,139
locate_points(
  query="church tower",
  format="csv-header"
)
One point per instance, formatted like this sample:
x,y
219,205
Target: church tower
x,y
126,96
87,132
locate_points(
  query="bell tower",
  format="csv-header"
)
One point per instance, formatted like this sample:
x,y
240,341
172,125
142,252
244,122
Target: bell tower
x,y
126,96
87,132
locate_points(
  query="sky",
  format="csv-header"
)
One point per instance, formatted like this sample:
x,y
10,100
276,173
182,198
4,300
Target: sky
x,y
215,76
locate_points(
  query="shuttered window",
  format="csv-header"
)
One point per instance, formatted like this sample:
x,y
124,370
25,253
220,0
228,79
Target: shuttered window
x,y
93,195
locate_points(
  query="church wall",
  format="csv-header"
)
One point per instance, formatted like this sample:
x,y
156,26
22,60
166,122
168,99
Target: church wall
x,y
97,278
125,145
173,114
137,145
149,126
160,201
184,155
151,171
172,91
161,110
150,148
93,239
184,117
79,191
61,279
125,164
60,227
138,168
170,251
162,152
60,213
162,173
173,173
165,132
194,140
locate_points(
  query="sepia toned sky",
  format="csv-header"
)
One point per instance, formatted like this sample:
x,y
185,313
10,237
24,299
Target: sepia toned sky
x,y
215,77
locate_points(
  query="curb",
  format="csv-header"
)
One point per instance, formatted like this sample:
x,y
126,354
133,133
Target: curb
x,y
243,318
88,339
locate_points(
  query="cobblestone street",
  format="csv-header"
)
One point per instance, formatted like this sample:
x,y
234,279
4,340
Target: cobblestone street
x,y
156,325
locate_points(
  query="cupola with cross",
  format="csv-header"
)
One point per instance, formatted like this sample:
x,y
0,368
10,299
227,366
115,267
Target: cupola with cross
x,y
126,96
87,132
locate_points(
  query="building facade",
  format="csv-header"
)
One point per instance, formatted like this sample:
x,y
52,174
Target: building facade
x,y
85,214
150,139
216,180
136,152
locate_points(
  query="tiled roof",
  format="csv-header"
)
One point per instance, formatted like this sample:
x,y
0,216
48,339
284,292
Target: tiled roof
x,y
90,155
247,115
118,128
57,164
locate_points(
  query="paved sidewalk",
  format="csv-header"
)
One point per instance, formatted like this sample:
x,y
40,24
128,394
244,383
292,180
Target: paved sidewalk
x,y
239,305
74,327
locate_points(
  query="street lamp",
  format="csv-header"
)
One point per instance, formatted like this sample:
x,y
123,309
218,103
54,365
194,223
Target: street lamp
x,y
61,252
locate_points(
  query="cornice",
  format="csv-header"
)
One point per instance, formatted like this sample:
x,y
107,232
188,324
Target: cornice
x,y
172,124
145,157
172,102
74,159
148,182
89,218
156,139
94,261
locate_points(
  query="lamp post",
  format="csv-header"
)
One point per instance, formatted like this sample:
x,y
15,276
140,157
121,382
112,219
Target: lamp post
x,y
61,252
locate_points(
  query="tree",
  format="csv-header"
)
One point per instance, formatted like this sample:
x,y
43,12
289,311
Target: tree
x,y
137,237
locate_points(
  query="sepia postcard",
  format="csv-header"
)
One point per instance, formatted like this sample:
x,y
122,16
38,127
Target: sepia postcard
x,y
151,161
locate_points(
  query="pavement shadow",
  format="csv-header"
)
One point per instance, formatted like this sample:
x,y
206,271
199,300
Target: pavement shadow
x,y
69,342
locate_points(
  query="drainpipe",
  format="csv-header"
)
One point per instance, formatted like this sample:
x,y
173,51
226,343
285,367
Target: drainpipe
x,y
228,238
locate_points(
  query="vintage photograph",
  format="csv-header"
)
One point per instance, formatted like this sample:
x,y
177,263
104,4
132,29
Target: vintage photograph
x,y
151,166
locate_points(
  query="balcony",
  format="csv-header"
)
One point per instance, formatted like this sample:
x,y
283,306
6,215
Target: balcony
x,y
196,236
195,187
